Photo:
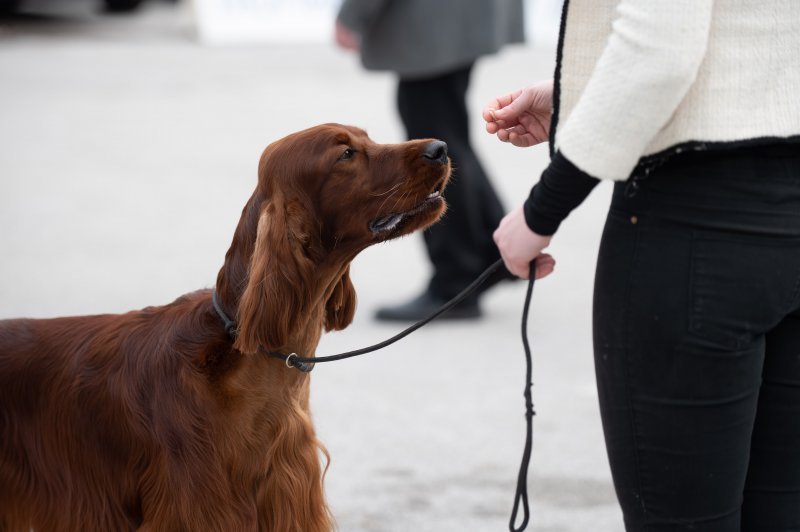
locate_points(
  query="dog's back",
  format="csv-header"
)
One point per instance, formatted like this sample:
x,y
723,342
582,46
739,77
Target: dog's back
x,y
53,418
88,411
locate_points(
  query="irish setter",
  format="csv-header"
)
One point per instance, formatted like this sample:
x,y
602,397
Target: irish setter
x,y
157,419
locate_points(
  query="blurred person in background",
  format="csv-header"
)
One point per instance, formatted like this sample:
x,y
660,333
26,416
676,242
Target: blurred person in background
x,y
9,7
692,107
432,46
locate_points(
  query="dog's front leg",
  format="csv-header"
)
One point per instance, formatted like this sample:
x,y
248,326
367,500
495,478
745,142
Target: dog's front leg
x,y
290,496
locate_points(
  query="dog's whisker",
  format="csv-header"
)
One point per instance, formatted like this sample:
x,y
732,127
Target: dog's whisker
x,y
387,191
386,199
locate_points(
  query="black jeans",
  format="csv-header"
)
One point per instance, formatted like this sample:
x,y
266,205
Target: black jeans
x,y
460,246
697,344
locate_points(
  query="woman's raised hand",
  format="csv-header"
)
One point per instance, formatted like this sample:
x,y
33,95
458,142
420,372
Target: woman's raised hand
x,y
522,117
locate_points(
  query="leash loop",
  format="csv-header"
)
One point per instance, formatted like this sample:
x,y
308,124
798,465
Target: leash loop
x,y
521,495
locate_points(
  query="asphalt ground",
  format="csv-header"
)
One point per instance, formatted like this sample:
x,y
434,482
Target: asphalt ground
x,y
127,151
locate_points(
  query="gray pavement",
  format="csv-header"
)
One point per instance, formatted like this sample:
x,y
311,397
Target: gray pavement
x,y
126,154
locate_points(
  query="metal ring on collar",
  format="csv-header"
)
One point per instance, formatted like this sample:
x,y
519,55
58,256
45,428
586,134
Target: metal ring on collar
x,y
289,360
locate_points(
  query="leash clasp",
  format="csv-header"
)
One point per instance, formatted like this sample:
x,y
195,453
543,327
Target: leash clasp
x,y
298,364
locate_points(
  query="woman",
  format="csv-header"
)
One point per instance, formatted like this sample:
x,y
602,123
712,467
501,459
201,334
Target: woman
x,y
692,107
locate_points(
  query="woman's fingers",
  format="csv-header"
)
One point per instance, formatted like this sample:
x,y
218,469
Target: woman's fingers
x,y
545,264
499,113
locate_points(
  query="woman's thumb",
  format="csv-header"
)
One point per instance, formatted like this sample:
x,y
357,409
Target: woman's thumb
x,y
504,115
511,111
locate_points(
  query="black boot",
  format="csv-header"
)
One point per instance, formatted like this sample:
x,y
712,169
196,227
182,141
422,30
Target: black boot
x,y
426,304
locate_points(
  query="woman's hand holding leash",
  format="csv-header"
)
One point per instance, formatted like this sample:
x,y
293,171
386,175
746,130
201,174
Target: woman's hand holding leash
x,y
519,245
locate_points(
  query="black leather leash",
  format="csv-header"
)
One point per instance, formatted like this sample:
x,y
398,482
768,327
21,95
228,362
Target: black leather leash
x,y
521,496
293,360
306,364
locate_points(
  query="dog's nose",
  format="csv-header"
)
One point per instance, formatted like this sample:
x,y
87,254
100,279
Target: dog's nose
x,y
436,151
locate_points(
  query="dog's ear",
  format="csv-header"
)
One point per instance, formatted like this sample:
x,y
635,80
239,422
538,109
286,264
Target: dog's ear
x,y
276,298
341,305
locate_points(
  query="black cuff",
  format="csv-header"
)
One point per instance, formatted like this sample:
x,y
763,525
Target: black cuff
x,y
563,187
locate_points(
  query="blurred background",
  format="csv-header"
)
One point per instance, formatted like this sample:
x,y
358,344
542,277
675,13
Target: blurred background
x,y
130,133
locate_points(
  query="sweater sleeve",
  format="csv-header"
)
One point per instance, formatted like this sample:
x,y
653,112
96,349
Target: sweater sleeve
x,y
647,66
561,188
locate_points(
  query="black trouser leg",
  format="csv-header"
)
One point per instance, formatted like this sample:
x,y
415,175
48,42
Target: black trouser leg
x,y
460,246
697,347
772,490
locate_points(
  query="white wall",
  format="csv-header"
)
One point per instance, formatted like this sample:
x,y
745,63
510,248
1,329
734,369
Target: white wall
x,y
247,22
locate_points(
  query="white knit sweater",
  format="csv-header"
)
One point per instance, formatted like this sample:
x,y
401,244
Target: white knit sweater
x,y
641,78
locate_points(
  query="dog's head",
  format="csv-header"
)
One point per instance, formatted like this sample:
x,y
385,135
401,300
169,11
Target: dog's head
x,y
324,194
352,191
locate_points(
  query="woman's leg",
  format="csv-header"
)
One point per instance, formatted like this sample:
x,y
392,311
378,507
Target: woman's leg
x,y
678,399
772,490
697,342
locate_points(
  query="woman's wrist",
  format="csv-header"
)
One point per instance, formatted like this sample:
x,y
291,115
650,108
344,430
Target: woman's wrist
x,y
562,187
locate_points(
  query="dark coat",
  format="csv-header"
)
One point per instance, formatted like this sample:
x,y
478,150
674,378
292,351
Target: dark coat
x,y
420,38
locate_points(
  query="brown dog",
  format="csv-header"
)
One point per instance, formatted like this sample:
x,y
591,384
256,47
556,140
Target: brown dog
x,y
156,419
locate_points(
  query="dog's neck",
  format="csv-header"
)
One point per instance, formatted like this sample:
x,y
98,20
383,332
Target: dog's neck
x,y
234,275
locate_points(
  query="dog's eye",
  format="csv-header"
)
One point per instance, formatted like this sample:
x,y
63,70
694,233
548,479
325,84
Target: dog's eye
x,y
347,154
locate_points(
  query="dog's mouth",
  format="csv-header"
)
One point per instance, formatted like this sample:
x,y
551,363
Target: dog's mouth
x,y
394,220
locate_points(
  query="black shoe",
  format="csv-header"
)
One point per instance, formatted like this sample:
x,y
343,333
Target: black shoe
x,y
426,304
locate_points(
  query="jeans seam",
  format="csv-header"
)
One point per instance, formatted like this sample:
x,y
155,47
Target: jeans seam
x,y
628,384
